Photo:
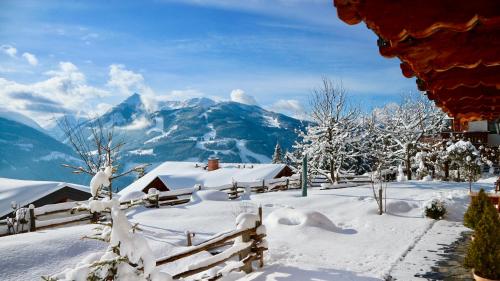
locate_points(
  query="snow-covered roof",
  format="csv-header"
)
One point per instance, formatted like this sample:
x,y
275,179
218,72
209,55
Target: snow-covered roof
x,y
24,192
176,175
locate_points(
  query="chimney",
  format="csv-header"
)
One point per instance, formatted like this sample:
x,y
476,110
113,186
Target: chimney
x,y
213,163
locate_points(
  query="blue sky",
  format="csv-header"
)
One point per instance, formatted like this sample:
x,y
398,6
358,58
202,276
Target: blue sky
x,y
84,56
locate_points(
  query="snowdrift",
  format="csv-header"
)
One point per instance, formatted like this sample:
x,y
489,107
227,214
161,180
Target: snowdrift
x,y
300,219
209,195
400,206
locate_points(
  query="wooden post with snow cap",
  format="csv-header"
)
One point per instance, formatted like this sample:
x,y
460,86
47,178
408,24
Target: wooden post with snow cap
x,y
245,254
259,223
32,218
304,176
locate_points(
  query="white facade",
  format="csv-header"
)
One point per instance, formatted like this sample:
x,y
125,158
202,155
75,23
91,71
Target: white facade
x,y
486,126
478,126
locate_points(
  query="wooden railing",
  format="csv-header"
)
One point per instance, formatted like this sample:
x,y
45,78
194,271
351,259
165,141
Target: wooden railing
x,y
70,213
249,248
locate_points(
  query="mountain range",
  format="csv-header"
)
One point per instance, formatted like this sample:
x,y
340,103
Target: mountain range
x,y
191,130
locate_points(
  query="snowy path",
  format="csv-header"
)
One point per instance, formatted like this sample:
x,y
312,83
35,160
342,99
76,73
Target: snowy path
x,y
427,251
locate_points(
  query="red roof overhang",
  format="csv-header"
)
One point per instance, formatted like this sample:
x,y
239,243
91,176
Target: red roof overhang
x,y
451,46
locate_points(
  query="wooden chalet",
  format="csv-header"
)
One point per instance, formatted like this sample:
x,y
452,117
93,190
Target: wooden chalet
x,y
39,193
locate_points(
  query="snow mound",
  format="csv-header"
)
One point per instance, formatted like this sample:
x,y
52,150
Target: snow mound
x,y
135,195
209,195
400,207
300,218
246,220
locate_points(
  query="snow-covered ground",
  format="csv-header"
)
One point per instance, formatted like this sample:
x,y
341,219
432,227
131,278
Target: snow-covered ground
x,y
329,235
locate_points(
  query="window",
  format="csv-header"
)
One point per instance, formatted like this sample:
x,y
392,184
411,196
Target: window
x,y
494,126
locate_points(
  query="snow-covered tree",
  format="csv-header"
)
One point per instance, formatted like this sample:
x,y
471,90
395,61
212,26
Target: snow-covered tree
x,y
437,160
277,158
407,124
330,139
128,256
465,156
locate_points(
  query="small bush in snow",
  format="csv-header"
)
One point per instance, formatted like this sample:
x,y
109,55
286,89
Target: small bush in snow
x,y
483,253
435,209
475,209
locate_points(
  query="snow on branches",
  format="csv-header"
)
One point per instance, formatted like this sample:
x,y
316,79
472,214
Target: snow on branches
x,y
405,125
99,180
330,140
128,256
466,158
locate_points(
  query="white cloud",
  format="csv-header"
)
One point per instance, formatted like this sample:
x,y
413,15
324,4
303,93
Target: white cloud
x,y
137,124
128,82
290,107
180,95
30,58
100,109
315,11
238,95
65,89
9,50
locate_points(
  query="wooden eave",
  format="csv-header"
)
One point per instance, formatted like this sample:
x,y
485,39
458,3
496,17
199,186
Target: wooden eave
x,y
451,46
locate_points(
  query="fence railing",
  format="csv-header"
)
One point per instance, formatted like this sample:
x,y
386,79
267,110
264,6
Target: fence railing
x,y
247,244
69,213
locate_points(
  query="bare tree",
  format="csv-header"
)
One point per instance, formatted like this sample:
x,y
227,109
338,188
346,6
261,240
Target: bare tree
x,y
95,146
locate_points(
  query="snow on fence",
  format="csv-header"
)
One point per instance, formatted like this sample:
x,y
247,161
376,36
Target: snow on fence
x,y
70,213
345,181
47,216
237,188
247,243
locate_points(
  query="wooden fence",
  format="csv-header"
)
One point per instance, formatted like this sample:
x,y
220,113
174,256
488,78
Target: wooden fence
x,y
249,248
70,213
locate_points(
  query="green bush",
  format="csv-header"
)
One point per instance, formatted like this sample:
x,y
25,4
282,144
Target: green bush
x,y
475,209
435,210
483,254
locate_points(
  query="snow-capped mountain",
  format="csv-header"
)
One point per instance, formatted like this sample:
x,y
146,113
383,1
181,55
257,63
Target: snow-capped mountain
x,y
198,128
191,130
28,153
53,128
18,117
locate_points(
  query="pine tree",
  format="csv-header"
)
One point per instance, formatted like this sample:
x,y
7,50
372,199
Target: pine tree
x,y
277,159
475,210
483,254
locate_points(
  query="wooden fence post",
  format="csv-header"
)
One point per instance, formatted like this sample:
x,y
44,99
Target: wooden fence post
x,y
95,217
380,211
157,200
260,253
263,185
32,218
247,267
287,182
235,194
188,238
